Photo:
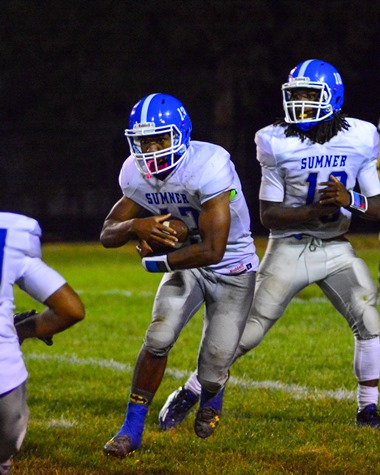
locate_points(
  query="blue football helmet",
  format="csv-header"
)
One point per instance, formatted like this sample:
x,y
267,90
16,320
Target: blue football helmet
x,y
154,115
313,75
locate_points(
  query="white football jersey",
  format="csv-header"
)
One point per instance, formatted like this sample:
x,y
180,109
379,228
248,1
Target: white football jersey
x,y
292,170
20,264
204,173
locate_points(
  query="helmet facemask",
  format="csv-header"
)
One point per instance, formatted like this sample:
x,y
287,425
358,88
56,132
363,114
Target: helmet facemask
x,y
305,112
163,119
155,163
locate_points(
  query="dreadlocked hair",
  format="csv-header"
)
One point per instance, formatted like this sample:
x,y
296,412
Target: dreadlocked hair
x,y
321,133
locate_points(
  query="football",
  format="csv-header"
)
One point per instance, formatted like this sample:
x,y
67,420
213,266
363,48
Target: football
x,y
182,234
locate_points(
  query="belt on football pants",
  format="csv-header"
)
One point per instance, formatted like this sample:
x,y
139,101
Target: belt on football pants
x,y
300,236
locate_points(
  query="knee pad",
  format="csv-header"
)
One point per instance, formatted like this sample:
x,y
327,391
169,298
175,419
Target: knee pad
x,y
159,338
11,440
252,336
371,320
13,421
366,323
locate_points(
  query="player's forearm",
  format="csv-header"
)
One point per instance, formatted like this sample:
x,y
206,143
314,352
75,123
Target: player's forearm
x,y
49,323
196,255
283,217
116,233
44,325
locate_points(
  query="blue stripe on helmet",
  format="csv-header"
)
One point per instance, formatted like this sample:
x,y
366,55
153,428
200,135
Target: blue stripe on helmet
x,y
145,107
303,68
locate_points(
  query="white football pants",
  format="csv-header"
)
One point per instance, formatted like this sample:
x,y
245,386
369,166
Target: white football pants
x,y
227,300
289,265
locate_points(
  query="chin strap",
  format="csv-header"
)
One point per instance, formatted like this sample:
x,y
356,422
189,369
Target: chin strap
x,y
156,264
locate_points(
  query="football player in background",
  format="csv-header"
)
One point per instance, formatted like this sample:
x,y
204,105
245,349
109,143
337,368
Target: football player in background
x,y
21,265
167,174
310,162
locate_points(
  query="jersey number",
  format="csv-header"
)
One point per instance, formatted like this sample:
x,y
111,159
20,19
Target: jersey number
x,y
312,179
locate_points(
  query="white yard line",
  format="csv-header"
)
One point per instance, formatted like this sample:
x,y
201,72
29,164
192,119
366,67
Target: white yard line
x,y
129,293
297,392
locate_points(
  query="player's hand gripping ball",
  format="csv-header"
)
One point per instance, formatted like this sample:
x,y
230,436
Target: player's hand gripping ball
x,y
182,234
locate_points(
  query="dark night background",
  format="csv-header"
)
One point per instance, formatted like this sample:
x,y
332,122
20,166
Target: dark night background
x,y
72,70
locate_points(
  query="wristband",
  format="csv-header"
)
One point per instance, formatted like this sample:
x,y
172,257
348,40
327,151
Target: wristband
x,y
156,264
358,201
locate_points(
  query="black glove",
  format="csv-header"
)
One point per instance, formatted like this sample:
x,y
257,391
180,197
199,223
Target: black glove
x,y
19,317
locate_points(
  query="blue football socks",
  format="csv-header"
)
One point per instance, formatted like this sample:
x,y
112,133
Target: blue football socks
x,y
214,400
134,422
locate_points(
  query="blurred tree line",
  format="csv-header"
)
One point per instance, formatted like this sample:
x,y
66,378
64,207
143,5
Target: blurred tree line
x,y
71,72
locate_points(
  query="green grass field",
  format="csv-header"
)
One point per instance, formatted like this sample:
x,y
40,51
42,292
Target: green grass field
x,y
289,408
